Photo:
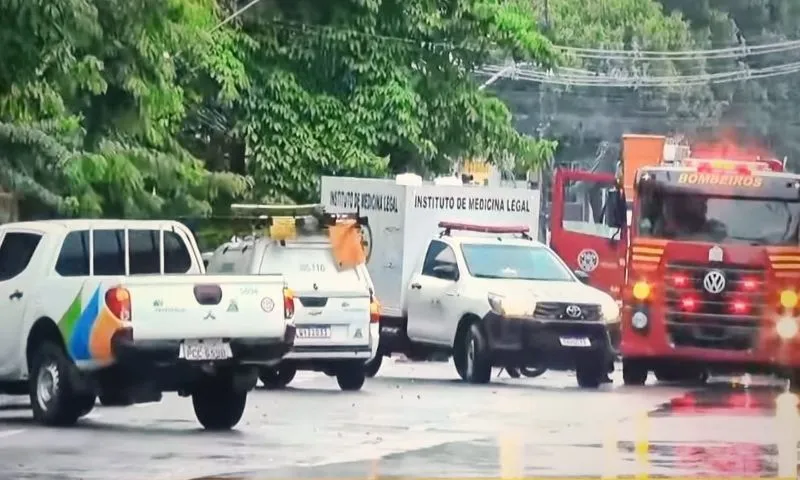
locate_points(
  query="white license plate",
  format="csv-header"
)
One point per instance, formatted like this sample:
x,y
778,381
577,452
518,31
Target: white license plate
x,y
313,332
205,350
575,342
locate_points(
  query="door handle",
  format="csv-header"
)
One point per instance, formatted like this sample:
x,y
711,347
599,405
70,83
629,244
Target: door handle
x,y
416,286
15,296
451,294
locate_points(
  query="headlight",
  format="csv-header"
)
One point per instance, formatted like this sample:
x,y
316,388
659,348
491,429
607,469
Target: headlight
x,y
511,306
610,311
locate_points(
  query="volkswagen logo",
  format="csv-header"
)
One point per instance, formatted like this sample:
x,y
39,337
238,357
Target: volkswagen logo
x,y
714,281
573,311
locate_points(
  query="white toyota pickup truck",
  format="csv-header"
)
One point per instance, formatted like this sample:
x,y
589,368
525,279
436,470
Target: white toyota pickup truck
x,y
122,310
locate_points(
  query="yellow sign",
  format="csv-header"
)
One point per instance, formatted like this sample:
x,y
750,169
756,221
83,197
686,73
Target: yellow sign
x,y
724,180
476,167
283,228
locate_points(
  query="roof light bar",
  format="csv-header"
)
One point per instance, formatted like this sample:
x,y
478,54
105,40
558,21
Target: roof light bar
x,y
470,227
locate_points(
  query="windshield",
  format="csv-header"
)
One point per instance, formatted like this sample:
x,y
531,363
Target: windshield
x,y
514,262
718,219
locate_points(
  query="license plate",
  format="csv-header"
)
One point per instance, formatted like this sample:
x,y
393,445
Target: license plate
x,y
575,342
313,332
205,350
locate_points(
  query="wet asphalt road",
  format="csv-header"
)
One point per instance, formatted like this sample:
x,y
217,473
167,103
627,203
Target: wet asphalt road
x,y
418,420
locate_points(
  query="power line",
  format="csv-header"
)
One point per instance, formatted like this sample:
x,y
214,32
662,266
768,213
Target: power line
x,y
644,81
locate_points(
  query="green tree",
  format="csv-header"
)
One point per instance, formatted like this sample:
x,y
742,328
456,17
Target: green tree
x,y
765,109
580,117
369,87
92,95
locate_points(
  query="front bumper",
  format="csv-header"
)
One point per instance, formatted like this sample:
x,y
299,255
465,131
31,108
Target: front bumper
x,y
658,343
537,342
128,351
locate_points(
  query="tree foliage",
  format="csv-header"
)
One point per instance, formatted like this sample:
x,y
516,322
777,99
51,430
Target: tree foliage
x,y
368,87
765,109
153,108
581,116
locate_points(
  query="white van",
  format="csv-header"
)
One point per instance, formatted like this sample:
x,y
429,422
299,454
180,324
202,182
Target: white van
x,y
336,314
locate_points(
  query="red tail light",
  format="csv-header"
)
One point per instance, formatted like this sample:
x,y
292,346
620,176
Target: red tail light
x,y
288,303
118,301
374,310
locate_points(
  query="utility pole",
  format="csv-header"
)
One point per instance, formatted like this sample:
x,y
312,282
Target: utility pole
x,y
546,15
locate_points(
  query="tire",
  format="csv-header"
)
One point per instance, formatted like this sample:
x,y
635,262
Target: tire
x,y
634,373
52,398
477,366
217,405
532,372
372,366
85,404
114,398
794,381
589,375
277,378
676,375
351,378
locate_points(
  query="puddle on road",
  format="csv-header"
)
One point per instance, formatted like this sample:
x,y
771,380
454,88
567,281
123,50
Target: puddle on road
x,y
718,431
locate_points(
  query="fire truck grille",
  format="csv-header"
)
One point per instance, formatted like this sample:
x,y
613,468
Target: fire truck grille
x,y
558,311
727,320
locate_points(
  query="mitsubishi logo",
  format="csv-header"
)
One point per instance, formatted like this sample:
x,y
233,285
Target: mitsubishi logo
x,y
573,311
714,281
210,316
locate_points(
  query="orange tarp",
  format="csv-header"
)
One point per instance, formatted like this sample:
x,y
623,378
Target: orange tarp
x,y
346,243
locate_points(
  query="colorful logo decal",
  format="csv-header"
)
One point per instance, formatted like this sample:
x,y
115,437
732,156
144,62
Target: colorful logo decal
x,y
87,331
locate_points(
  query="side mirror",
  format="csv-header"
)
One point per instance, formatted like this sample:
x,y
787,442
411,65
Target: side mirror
x,y
582,276
616,212
446,271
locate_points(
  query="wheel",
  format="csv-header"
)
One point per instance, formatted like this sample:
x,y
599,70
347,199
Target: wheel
x,y
589,375
478,368
85,404
114,398
52,397
681,374
532,372
372,366
633,372
794,380
277,378
351,377
217,405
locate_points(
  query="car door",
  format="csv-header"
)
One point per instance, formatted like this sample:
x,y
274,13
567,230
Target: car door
x,y
578,233
17,249
428,293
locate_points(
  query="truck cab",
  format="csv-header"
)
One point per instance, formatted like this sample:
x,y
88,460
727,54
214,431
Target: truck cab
x,y
493,297
708,276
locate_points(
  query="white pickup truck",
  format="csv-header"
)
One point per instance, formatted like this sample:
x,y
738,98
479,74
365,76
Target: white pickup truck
x,y
122,310
477,286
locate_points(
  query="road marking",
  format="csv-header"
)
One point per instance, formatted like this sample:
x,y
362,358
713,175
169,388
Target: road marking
x,y
642,445
9,433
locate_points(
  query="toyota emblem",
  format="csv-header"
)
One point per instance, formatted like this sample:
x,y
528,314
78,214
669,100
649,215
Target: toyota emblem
x,y
714,282
573,311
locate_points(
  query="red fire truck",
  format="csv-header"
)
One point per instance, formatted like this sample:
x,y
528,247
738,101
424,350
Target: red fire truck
x,y
703,255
